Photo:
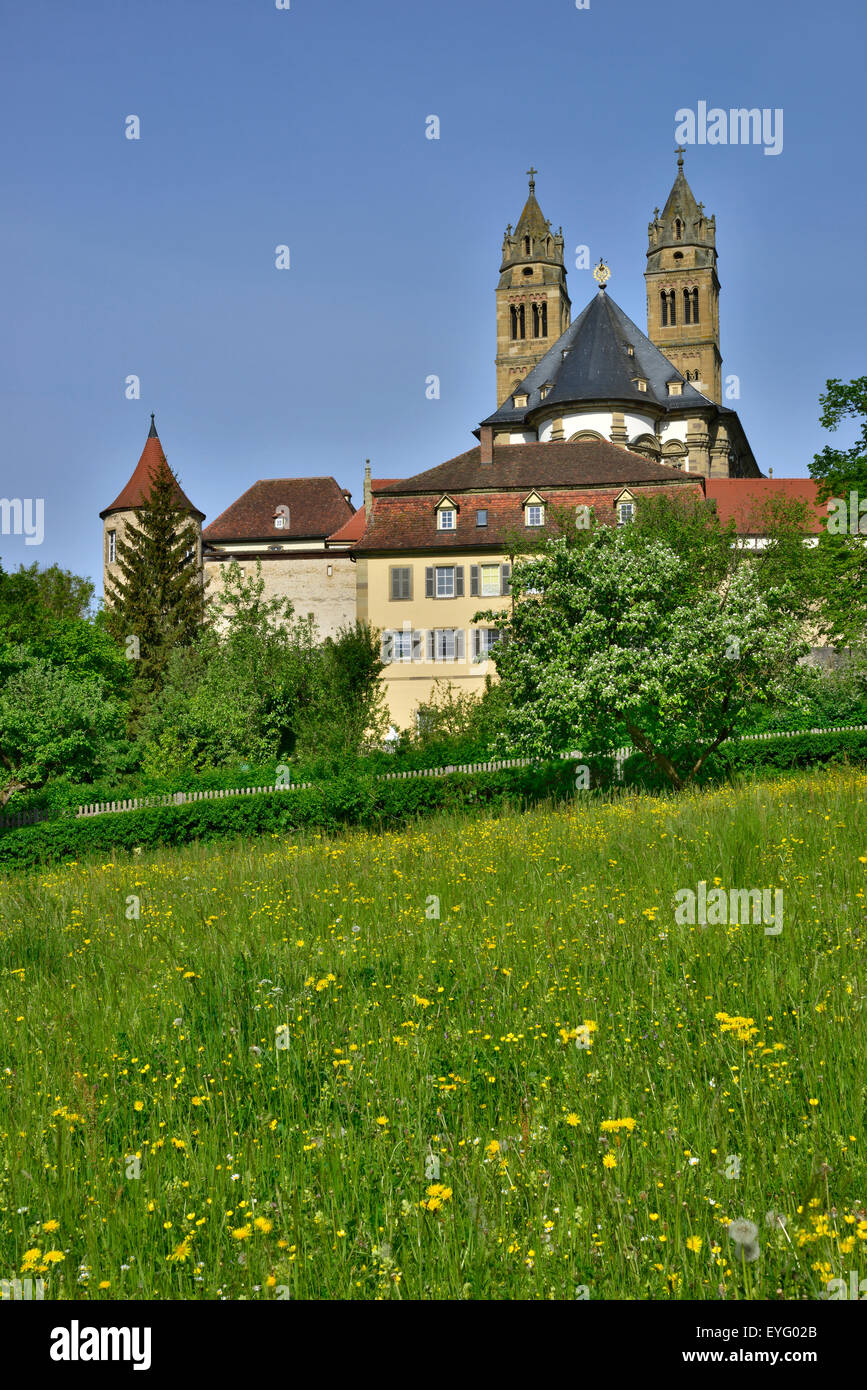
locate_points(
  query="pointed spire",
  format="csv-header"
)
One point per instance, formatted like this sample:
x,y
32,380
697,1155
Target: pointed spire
x,y
531,222
137,490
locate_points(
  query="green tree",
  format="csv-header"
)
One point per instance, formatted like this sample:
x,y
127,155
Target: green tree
x,y
839,471
623,641
52,723
158,599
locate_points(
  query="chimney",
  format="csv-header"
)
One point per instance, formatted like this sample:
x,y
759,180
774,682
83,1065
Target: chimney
x,y
486,438
368,490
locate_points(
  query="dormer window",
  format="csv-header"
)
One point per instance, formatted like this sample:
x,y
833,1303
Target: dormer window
x,y
520,400
281,519
446,514
534,510
630,350
641,383
625,508
675,388
543,390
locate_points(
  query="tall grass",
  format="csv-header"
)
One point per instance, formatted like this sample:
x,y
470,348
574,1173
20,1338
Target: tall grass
x,y
288,1077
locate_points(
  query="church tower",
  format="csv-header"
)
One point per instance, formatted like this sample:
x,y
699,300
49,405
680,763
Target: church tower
x,y
533,306
683,289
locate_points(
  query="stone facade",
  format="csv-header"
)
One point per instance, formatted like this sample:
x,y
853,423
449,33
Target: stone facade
x,y
533,307
683,288
321,585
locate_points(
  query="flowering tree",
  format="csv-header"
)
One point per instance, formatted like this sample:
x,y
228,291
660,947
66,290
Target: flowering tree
x,y
622,640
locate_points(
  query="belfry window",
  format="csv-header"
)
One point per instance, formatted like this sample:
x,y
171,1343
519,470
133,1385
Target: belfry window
x,y
678,229
540,320
526,246
518,319
669,311
690,306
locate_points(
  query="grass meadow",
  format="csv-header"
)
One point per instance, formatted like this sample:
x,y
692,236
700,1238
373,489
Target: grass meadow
x,y
270,1070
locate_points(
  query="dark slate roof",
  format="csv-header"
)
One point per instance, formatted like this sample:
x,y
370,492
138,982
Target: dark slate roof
x,y
317,507
581,463
598,367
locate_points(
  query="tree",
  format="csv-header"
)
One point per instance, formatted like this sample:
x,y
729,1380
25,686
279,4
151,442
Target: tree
x,y
52,723
840,471
624,640
159,599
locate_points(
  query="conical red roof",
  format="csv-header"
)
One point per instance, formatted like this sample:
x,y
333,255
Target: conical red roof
x,y
138,488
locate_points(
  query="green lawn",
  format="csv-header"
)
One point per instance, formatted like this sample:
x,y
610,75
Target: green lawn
x,y
289,1078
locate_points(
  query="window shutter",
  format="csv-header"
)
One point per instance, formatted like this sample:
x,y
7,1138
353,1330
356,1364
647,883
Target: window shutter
x,y
474,581
505,573
459,644
407,583
385,651
477,642
430,645
417,653
429,581
459,581
395,582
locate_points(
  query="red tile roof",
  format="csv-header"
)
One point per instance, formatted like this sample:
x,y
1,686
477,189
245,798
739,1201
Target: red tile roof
x,y
408,523
742,500
138,488
317,507
354,527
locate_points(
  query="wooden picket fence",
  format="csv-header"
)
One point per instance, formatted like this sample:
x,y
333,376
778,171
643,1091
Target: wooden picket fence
x,y
137,803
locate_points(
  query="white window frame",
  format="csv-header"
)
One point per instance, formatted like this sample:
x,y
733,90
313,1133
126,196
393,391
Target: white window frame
x,y
444,570
444,644
528,514
493,586
112,547
401,646
626,506
442,523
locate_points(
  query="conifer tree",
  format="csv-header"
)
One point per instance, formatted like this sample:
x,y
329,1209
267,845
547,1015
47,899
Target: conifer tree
x,y
157,604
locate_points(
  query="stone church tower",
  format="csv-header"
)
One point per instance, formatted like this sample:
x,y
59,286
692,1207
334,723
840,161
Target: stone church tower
x,y
533,306
683,289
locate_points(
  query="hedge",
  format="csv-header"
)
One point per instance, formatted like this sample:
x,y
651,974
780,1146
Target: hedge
x,y
377,804
343,801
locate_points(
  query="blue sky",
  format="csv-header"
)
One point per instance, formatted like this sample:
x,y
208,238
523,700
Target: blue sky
x,y
306,127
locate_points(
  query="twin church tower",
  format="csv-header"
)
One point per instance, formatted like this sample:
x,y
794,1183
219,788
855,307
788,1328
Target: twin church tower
x,y
534,309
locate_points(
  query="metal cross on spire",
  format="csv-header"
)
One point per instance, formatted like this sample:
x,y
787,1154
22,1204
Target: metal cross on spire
x,y
680,151
531,174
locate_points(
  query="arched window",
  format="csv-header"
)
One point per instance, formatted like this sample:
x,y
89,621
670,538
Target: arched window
x,y
540,320
678,229
513,315
690,306
669,311
695,306
535,320
526,246
522,322
544,315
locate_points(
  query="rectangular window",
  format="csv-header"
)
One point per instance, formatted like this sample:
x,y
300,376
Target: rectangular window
x,y
445,581
625,513
446,519
490,581
482,517
534,516
444,644
402,646
484,638
112,547
401,581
